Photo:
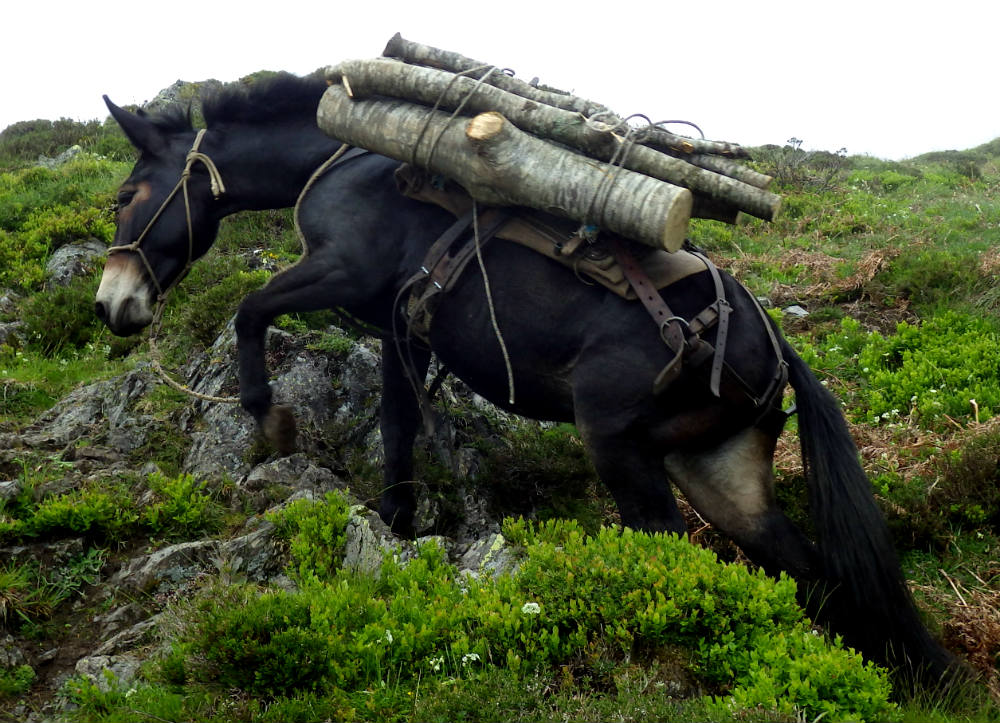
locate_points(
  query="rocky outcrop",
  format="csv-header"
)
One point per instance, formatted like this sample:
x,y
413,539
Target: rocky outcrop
x,y
100,429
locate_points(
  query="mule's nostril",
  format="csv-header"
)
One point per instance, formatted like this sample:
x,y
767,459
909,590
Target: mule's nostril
x,y
101,310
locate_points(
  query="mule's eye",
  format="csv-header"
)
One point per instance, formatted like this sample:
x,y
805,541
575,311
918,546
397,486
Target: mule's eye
x,y
125,198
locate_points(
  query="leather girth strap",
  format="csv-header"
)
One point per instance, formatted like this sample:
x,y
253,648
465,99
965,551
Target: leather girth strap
x,y
442,266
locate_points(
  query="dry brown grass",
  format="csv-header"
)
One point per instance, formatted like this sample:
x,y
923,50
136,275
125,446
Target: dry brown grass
x,y
971,628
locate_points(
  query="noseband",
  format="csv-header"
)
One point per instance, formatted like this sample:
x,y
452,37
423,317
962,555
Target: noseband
x,y
218,188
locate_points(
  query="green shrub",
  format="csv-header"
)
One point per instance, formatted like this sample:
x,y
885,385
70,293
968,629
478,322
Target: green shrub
x,y
267,649
16,681
207,303
931,372
99,513
62,319
932,277
544,472
743,629
183,507
315,534
628,594
23,142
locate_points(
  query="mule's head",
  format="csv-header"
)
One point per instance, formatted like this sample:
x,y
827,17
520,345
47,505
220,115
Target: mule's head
x,y
159,233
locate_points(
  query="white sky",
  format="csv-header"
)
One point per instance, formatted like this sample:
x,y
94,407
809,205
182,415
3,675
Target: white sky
x,y
891,79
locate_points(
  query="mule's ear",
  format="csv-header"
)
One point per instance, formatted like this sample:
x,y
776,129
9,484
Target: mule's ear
x,y
139,130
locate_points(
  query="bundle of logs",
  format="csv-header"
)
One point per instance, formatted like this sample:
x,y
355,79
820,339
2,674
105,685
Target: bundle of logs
x,y
512,143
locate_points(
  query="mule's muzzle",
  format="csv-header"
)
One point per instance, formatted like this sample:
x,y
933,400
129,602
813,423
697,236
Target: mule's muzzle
x,y
123,299
126,322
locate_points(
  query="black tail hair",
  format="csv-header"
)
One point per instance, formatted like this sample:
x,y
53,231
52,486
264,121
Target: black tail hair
x,y
866,598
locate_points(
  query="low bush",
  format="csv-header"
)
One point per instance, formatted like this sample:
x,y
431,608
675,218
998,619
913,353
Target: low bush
x,y
577,603
16,681
934,371
314,531
183,507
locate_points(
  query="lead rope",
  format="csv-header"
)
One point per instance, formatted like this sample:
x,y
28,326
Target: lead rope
x,y
218,188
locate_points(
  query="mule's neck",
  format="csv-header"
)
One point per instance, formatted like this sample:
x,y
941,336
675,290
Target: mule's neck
x,y
266,167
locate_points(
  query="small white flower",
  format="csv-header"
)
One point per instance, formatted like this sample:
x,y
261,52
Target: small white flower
x,y
436,663
470,658
388,636
531,608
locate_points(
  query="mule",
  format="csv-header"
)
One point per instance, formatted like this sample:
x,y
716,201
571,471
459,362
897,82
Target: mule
x,y
577,353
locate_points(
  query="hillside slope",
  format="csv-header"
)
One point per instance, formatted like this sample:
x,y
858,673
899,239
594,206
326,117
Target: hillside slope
x,y
130,515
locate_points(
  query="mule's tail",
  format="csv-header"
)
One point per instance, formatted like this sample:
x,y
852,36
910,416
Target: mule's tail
x,y
866,598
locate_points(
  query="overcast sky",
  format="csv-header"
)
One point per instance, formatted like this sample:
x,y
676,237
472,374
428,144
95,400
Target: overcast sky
x,y
890,79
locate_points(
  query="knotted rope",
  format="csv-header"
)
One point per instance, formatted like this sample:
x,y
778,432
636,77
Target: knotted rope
x,y
218,188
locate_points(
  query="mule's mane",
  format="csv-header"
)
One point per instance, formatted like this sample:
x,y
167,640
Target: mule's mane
x,y
263,101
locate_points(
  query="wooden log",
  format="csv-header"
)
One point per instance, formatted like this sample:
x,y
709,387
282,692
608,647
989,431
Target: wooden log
x,y
498,164
386,77
418,54
427,55
730,168
663,139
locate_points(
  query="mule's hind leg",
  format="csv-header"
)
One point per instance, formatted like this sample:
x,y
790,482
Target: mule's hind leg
x,y
732,486
399,419
632,471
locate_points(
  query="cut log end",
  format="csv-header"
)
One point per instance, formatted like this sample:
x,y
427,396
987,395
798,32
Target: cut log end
x,y
485,126
675,229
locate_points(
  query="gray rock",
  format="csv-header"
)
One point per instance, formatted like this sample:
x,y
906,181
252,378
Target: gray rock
x,y
114,621
796,311
255,554
72,260
9,489
109,671
368,540
272,481
8,302
64,157
11,656
128,638
94,411
12,333
490,556
168,568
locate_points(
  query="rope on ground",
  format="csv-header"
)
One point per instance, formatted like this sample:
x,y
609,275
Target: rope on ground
x,y
154,354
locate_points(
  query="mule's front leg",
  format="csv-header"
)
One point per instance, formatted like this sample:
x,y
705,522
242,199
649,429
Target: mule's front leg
x,y
399,419
276,422
305,287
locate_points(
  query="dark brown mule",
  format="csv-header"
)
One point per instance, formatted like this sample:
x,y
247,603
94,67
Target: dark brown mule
x,y
578,353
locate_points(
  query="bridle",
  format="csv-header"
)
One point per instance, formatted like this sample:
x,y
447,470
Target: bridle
x,y
218,188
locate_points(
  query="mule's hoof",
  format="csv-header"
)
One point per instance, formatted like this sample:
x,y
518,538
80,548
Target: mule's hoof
x,y
279,428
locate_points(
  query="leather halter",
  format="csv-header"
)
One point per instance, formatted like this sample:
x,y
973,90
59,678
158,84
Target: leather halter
x,y
218,188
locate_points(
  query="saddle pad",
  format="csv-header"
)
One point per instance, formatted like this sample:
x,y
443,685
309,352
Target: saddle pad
x,y
557,238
